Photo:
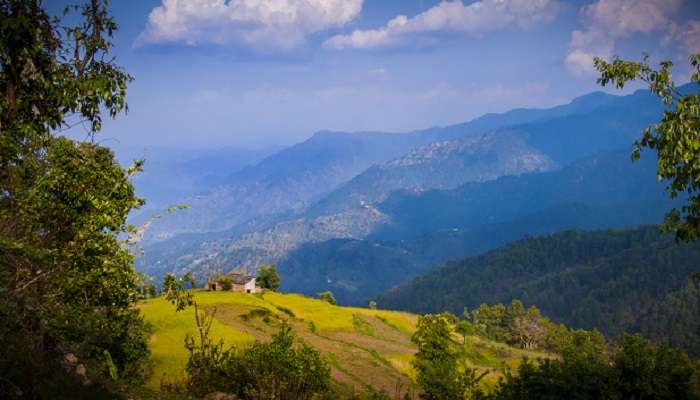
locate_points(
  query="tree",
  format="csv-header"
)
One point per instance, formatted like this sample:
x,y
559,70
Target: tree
x,y
466,329
437,361
67,285
676,138
268,277
226,283
327,296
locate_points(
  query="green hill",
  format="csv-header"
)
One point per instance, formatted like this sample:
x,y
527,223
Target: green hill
x,y
625,280
364,347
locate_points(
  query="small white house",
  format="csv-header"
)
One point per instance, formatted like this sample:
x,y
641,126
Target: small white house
x,y
239,283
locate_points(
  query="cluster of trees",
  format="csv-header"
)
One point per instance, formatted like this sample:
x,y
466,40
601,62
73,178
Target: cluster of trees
x,y
587,368
68,328
517,326
632,369
440,371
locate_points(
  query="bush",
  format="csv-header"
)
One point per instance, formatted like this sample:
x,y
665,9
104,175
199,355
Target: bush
x,y
226,283
277,370
327,296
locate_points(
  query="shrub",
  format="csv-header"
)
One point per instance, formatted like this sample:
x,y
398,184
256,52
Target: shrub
x,y
277,370
327,296
226,283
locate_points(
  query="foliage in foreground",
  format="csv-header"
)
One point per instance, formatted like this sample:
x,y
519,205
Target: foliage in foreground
x,y
67,285
635,370
275,370
437,362
587,368
676,138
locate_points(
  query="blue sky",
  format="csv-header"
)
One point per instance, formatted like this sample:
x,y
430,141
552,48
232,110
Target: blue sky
x,y
251,73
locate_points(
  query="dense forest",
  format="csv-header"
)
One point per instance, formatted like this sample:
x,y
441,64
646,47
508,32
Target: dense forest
x,y
635,280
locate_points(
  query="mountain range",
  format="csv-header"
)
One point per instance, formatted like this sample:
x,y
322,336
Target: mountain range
x,y
358,213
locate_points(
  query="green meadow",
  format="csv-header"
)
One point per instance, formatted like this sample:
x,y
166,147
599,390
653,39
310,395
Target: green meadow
x,y
365,347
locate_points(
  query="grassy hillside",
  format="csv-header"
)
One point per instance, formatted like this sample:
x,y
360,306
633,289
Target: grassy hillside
x,y
364,347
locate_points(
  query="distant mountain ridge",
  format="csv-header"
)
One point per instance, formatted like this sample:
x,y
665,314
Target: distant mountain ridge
x,y
287,182
383,188
509,151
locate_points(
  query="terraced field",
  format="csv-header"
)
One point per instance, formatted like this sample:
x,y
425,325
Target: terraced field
x,y
365,347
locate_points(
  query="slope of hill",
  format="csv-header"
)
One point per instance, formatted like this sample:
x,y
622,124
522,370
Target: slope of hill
x,y
614,280
260,220
604,180
364,347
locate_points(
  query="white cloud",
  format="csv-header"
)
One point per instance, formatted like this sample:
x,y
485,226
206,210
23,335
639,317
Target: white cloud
x,y
449,17
264,25
580,63
607,21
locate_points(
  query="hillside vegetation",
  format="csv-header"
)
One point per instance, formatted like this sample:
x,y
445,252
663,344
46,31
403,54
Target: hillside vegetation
x,y
634,280
364,347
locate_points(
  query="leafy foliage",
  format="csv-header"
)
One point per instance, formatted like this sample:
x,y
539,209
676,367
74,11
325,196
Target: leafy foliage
x,y
437,362
175,292
515,325
274,370
268,278
67,285
637,370
676,138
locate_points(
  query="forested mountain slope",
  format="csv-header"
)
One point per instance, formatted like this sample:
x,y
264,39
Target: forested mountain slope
x,y
424,229
634,280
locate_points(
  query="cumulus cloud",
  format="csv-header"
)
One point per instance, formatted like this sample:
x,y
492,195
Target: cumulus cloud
x,y
449,17
267,25
607,21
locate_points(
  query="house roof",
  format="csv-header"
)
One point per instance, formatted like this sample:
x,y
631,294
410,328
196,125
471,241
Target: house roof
x,y
236,278
240,279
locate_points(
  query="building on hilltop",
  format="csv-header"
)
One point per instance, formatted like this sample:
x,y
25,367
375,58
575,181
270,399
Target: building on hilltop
x,y
234,282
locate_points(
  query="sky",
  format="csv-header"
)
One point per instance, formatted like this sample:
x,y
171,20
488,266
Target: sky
x,y
256,73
